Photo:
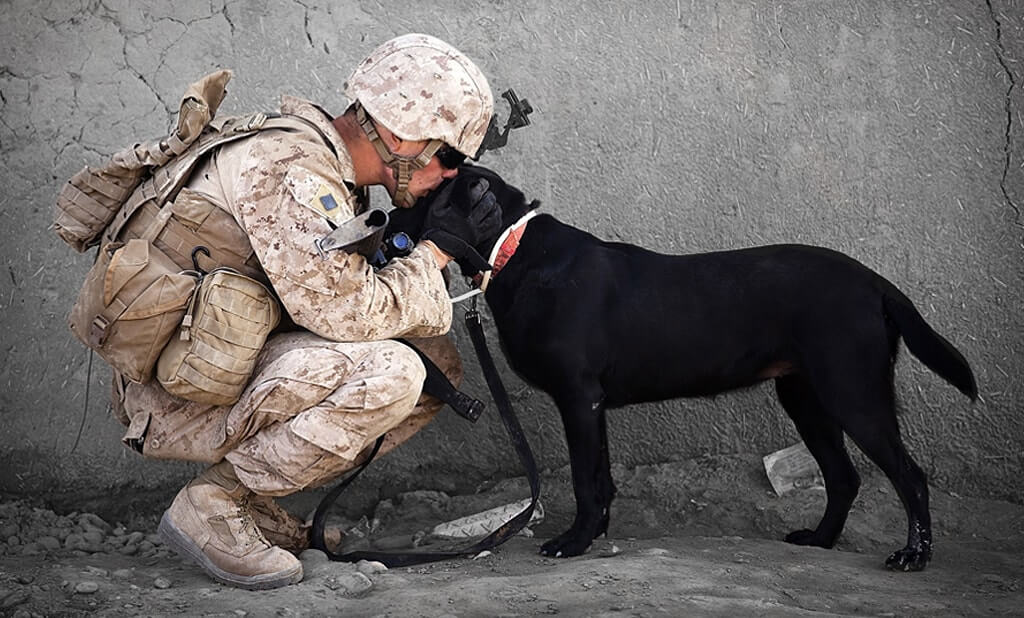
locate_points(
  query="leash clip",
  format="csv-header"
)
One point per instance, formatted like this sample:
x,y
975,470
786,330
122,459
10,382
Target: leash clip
x,y
472,315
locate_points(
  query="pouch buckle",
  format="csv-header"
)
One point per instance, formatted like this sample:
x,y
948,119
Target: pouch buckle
x,y
98,330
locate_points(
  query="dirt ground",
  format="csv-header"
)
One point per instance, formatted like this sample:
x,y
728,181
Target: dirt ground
x,y
697,537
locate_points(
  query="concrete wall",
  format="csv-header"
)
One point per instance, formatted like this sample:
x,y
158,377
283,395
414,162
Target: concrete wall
x,y
891,131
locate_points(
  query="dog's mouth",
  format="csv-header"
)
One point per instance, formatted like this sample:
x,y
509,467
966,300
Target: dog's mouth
x,y
776,370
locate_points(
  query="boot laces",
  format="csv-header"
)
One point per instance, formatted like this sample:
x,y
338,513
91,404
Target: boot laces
x,y
249,527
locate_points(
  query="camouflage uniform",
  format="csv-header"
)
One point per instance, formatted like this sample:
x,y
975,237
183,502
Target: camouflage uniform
x,y
319,397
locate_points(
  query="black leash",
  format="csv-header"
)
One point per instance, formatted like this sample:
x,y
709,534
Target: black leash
x,y
515,432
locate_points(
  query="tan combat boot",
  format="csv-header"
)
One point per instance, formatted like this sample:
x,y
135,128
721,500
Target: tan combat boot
x,y
285,530
211,523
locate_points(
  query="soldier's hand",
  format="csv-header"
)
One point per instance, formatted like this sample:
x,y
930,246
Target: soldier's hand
x,y
459,218
469,260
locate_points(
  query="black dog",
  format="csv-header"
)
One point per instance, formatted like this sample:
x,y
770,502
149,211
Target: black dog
x,y
599,325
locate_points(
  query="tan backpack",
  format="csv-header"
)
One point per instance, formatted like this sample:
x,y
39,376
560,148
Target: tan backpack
x,y
149,231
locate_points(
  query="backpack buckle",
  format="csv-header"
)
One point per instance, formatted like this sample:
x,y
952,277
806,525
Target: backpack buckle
x,y
251,123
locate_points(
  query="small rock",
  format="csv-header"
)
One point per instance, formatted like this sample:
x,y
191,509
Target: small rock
x,y
32,549
13,540
9,530
26,579
97,571
122,574
135,538
162,583
154,539
15,598
370,567
128,550
86,587
146,546
89,520
49,543
313,556
654,551
115,541
93,536
119,531
485,553
73,541
349,584
315,563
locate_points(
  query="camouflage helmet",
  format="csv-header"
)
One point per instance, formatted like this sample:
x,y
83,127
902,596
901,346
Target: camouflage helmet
x,y
422,88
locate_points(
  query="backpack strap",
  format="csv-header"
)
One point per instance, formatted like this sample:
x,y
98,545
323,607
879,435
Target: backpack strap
x,y
167,180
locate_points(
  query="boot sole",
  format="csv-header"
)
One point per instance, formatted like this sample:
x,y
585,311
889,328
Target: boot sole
x,y
186,548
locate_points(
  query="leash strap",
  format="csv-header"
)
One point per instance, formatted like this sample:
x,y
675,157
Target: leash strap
x,y
495,538
438,385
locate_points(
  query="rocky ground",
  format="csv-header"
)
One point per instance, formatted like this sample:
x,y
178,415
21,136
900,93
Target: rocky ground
x,y
687,538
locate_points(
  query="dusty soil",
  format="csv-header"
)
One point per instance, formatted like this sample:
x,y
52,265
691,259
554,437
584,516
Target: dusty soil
x,y
687,538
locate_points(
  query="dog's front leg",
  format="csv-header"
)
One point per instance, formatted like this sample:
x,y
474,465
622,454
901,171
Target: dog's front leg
x,y
586,435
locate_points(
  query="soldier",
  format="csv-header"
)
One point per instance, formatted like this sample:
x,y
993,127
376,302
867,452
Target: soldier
x,y
320,396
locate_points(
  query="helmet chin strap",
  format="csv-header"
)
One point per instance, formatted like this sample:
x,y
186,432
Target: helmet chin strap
x,y
403,166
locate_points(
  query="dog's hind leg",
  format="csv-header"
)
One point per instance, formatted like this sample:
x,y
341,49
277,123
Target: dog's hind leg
x,y
584,419
877,434
861,398
824,439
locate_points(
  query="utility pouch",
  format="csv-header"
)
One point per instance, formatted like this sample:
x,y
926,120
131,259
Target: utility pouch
x,y
89,201
223,330
132,301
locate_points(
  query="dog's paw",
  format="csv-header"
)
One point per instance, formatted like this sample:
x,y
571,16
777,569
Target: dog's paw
x,y
804,537
908,559
565,546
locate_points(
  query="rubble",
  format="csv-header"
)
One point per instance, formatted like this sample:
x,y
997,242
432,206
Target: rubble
x,y
31,531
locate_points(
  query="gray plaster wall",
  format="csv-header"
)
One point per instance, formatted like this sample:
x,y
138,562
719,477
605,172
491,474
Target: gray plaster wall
x,y
891,131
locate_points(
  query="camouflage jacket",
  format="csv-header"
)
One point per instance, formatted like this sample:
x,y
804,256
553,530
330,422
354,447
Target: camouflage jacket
x,y
283,188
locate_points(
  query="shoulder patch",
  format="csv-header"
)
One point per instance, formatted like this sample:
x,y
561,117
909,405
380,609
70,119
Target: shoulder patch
x,y
332,201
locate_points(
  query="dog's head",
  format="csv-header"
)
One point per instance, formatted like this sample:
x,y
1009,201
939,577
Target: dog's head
x,y
462,192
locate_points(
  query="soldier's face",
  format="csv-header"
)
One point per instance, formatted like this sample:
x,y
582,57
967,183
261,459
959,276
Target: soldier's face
x,y
427,179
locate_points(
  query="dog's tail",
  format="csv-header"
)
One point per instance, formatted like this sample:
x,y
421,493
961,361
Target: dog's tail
x,y
929,346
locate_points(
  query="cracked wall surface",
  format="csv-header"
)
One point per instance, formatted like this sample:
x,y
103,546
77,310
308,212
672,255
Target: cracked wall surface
x,y
1009,39
893,132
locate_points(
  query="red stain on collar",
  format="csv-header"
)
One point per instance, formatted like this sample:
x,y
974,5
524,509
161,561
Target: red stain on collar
x,y
505,251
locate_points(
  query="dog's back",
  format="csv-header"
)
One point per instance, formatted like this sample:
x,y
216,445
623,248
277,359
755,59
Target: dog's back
x,y
656,326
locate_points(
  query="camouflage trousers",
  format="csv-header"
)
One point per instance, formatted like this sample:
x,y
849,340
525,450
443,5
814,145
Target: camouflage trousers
x,y
312,411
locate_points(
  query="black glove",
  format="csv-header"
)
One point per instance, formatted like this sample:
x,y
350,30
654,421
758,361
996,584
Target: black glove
x,y
460,217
